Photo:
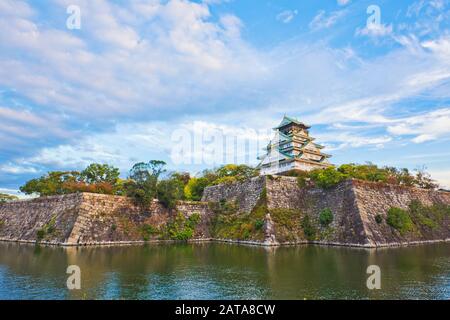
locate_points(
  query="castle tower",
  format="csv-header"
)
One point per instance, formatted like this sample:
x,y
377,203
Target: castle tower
x,y
292,149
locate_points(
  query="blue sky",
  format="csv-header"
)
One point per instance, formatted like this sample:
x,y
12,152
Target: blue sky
x,y
137,72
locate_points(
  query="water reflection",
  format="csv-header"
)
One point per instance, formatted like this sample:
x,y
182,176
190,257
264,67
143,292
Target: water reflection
x,y
223,271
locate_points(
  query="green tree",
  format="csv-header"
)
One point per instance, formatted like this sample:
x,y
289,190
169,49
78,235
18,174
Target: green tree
x,y
169,191
367,172
96,173
194,189
120,187
241,171
142,170
157,167
327,178
143,191
231,172
143,183
424,180
399,176
184,177
209,175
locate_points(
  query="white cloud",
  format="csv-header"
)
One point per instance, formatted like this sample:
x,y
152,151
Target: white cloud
x,y
343,140
15,8
122,63
442,177
16,193
120,147
425,127
173,57
17,169
19,127
287,16
375,30
323,20
129,144
343,2
440,46
183,56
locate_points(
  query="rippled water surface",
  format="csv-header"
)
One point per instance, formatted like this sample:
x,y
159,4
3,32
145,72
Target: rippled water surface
x,y
223,271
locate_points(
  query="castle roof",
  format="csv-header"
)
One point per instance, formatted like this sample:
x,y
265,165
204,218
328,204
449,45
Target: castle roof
x,y
288,120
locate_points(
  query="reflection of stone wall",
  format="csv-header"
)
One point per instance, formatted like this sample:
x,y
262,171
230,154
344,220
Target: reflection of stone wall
x,y
90,218
93,218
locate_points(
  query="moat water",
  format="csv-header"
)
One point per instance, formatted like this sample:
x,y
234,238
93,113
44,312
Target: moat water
x,y
223,271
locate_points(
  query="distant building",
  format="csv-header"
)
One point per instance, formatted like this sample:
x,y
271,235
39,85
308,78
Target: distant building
x,y
292,149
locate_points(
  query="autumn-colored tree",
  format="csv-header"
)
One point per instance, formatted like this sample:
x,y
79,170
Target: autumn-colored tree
x,y
52,183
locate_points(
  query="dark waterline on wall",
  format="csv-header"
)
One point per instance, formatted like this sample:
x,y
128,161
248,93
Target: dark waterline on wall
x,y
224,271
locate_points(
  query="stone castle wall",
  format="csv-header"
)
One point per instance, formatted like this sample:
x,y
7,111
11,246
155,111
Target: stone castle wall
x,y
21,220
354,205
284,194
84,218
87,218
346,227
245,194
376,199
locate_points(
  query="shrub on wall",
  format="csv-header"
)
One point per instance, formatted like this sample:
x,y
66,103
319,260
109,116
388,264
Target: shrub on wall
x,y
327,178
303,178
181,228
147,231
400,220
229,224
47,229
40,234
427,216
325,217
259,224
330,177
308,228
378,218
418,216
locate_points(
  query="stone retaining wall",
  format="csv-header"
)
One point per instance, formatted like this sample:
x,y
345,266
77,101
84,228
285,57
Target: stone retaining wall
x,y
245,194
84,218
376,199
354,205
